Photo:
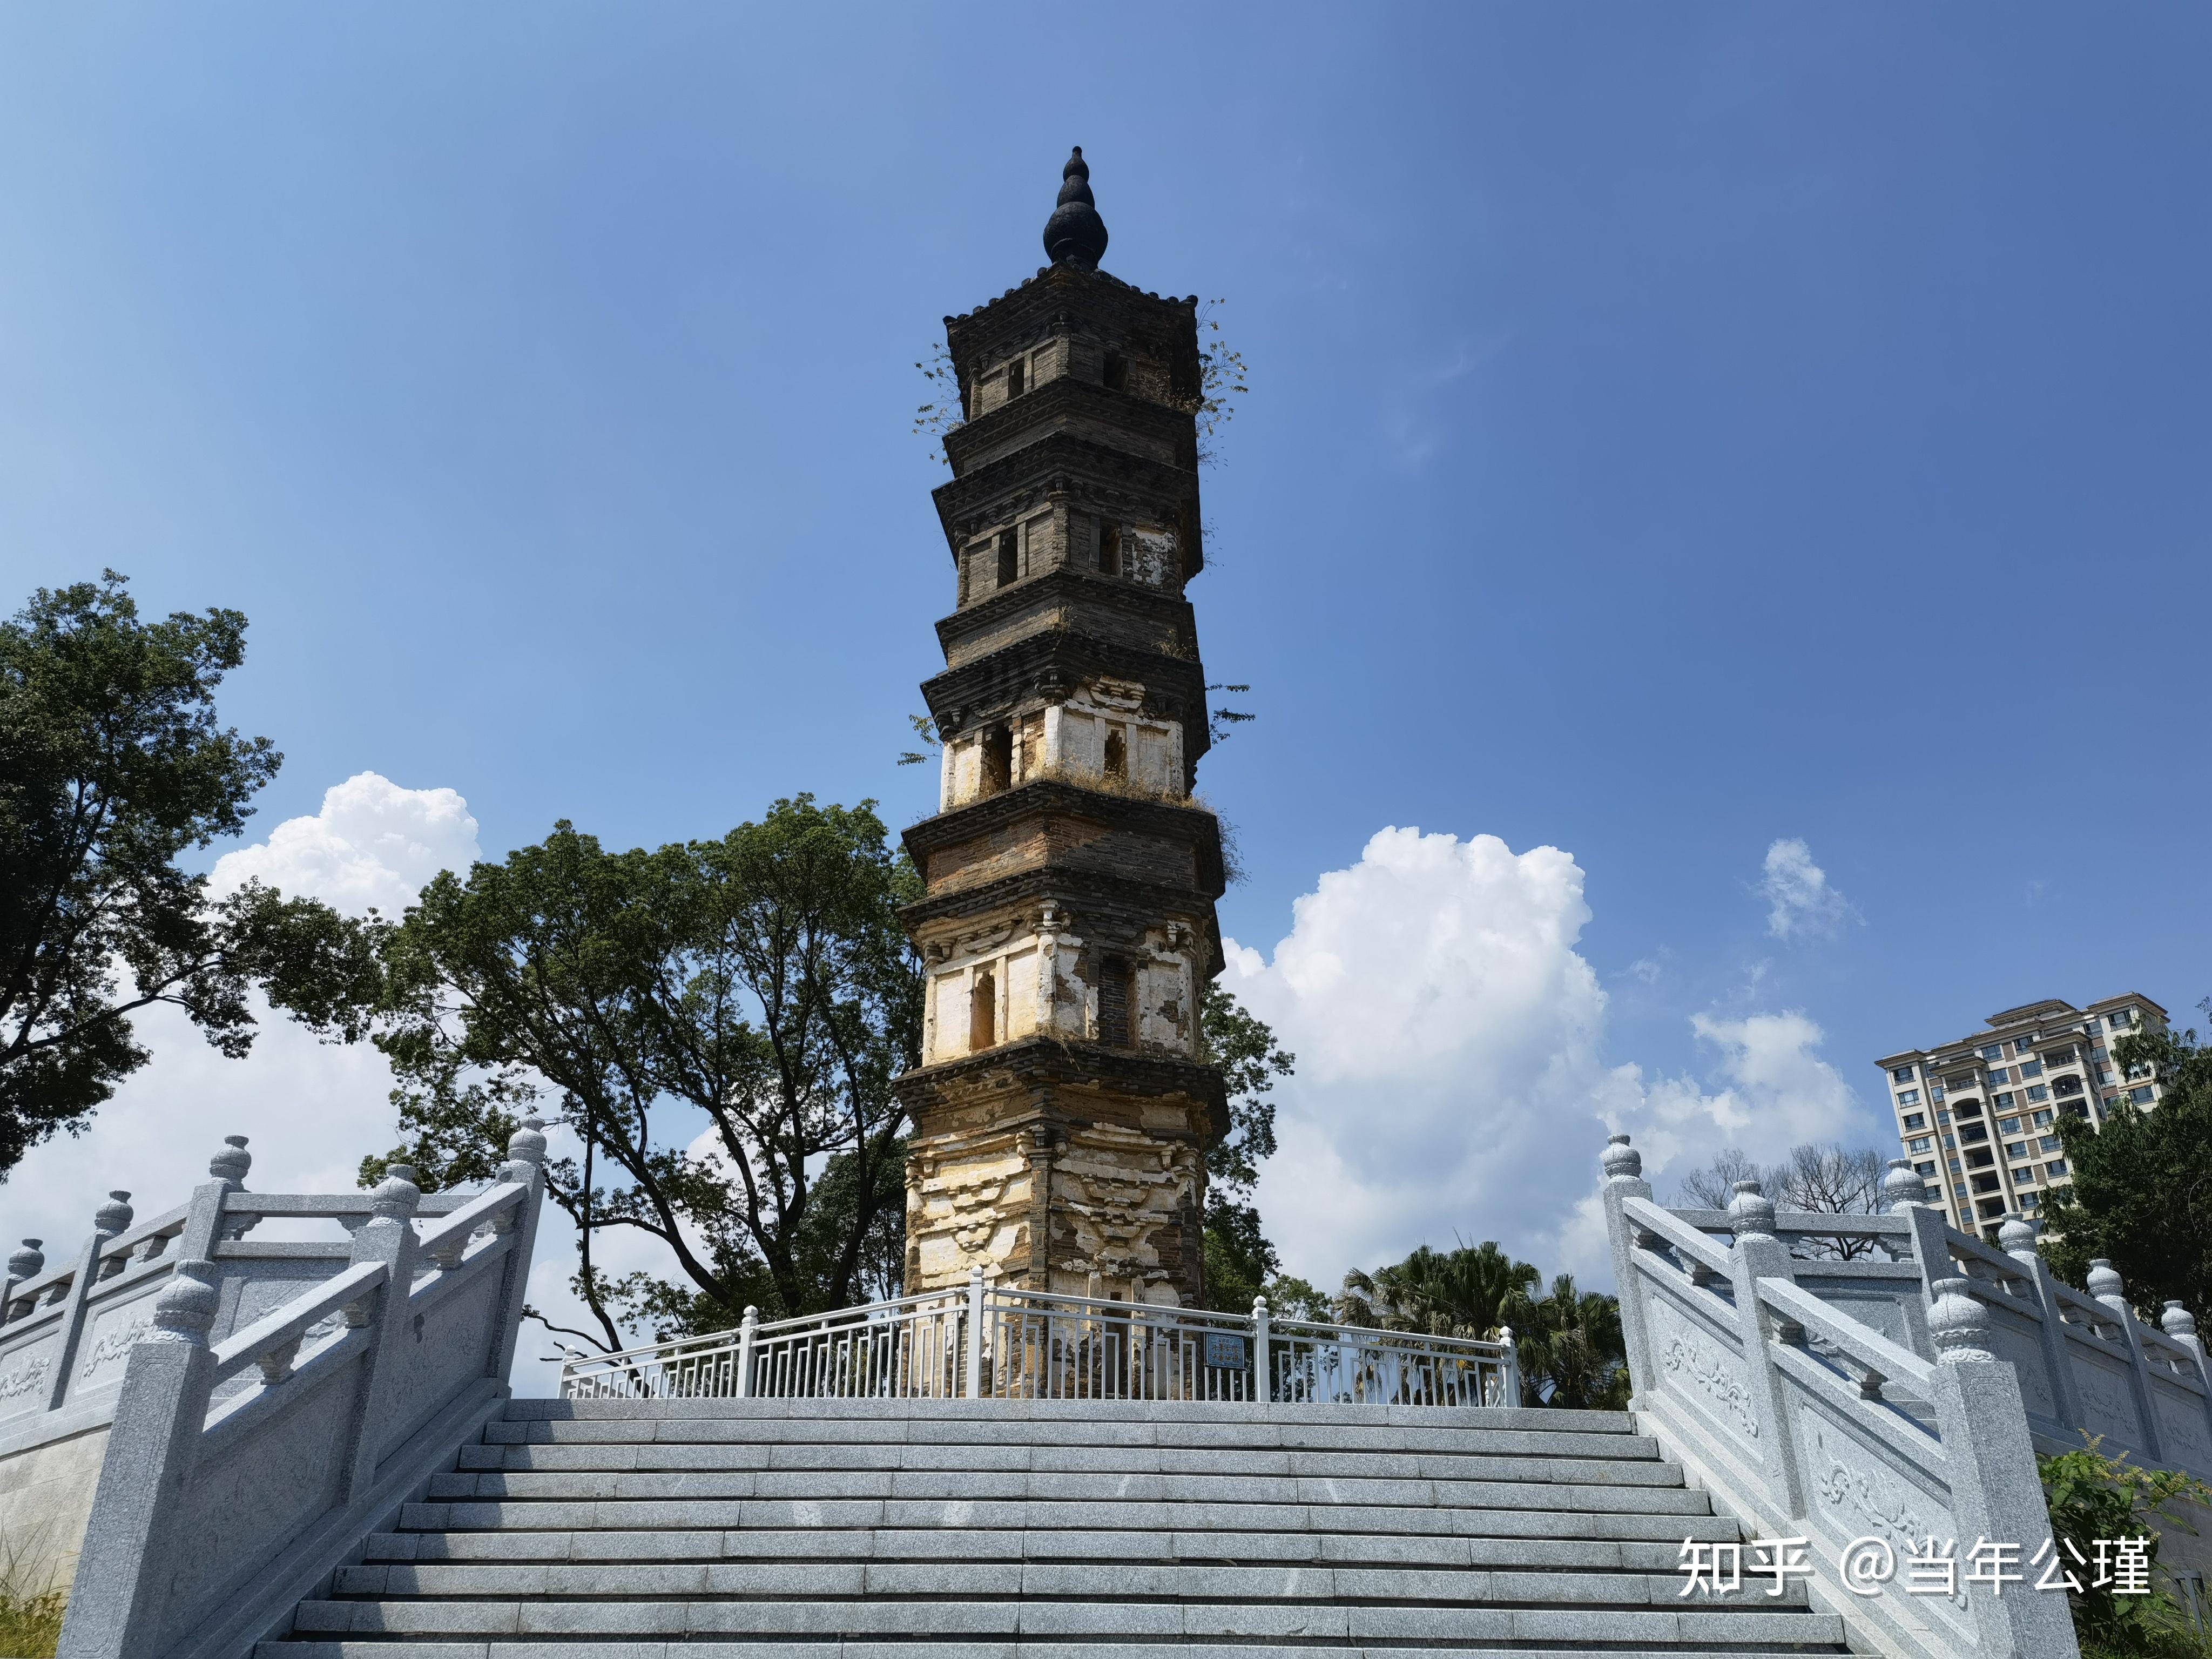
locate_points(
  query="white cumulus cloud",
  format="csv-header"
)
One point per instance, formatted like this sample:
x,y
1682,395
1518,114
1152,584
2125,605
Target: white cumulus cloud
x,y
1799,903
1451,1080
374,844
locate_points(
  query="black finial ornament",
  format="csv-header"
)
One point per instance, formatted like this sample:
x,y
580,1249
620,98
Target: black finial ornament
x,y
1075,235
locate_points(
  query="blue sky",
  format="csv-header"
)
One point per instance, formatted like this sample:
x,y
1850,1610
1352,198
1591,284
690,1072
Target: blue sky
x,y
1673,431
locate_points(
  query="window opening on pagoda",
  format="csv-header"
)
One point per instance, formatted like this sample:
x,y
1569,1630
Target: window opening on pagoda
x,y
1114,1002
1116,376
1014,380
1117,754
998,760
982,1013
1010,558
1110,549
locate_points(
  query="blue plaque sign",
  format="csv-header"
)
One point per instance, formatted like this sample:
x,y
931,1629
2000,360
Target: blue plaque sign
x,y
1224,1353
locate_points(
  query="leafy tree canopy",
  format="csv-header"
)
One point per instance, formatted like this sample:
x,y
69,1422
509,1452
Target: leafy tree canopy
x,y
1569,1342
718,1022
2141,1194
1241,1263
112,766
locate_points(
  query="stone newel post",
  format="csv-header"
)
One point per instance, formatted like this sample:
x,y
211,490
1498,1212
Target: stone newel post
x,y
1623,1166
1994,1492
388,1238
164,1401
1759,1253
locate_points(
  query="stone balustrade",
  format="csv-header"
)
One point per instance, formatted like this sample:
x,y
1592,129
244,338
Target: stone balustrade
x,y
1897,1394
214,1418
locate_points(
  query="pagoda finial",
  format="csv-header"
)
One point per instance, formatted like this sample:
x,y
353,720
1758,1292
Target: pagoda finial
x,y
1075,235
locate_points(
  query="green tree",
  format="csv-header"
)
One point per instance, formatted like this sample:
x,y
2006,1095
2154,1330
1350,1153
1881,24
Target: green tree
x,y
1468,1291
1568,1343
718,1022
1572,1350
111,768
1241,1263
2141,1192
2093,1498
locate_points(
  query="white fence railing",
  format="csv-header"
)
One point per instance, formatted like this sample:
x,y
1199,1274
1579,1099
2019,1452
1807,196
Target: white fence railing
x,y
996,1343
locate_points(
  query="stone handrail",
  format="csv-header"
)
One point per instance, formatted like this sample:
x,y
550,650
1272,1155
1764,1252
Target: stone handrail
x,y
1842,1403
240,1470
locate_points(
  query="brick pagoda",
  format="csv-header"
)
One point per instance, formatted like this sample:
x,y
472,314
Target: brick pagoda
x,y
1062,1110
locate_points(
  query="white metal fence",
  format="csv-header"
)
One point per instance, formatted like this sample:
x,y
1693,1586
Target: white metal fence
x,y
995,1343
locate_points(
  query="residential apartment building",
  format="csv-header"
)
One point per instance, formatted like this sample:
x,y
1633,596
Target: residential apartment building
x,y
1979,1117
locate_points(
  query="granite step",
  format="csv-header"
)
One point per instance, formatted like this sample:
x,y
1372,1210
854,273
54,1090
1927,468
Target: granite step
x,y
1000,1545
803,1484
962,1621
896,1647
1066,1460
1129,1580
1258,1437
671,1515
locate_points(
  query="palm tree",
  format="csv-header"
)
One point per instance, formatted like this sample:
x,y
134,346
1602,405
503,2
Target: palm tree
x,y
1571,1352
1468,1291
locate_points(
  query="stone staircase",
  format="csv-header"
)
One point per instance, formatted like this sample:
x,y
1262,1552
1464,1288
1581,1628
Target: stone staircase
x,y
772,1529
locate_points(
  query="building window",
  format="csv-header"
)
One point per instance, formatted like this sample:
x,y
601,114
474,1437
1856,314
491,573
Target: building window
x,y
1010,558
2066,1086
2030,1068
1999,1076
1916,1120
1116,373
1987,1183
1909,1097
2010,1127
1970,1109
1955,1166
1924,1170
2004,1101
1919,1146
1114,1002
1901,1074
2038,1092
2049,1143
2139,1096
1959,1188
2106,1076
1934,1091
1943,1117
2056,1168
2015,1149
1994,1053
1109,547
1017,380
2121,1021
2041,1119
982,1013
998,760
